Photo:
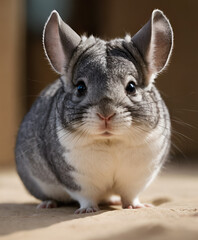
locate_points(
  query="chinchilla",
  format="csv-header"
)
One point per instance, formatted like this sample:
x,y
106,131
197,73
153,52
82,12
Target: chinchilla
x,y
102,128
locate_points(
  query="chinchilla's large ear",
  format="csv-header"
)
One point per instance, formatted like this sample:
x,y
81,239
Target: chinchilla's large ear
x,y
155,42
59,42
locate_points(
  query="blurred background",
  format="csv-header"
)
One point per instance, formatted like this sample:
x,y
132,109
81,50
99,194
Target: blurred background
x,y
24,70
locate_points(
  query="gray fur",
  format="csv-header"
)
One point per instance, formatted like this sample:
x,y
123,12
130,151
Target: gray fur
x,y
104,66
38,151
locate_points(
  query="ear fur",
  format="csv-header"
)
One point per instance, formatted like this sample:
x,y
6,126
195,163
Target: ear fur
x,y
155,43
59,42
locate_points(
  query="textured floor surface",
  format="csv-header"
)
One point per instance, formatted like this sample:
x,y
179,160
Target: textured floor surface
x,y
175,215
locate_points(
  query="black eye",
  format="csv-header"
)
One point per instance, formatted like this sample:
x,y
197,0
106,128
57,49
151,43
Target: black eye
x,y
81,88
131,88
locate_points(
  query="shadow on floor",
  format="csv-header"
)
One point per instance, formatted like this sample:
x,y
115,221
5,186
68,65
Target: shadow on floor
x,y
19,217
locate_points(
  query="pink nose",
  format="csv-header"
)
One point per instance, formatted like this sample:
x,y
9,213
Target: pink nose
x,y
106,118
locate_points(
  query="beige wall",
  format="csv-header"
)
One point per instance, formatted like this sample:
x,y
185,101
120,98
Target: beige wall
x,y
11,74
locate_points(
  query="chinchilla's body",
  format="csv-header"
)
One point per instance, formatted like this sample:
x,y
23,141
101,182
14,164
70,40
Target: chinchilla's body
x,y
102,129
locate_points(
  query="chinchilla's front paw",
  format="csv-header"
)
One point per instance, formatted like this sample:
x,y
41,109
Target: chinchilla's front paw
x,y
48,204
87,210
135,204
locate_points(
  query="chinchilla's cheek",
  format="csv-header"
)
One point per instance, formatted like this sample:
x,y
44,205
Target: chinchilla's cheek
x,y
137,98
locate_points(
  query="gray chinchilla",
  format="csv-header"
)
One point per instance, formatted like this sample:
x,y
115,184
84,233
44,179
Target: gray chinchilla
x,y
102,129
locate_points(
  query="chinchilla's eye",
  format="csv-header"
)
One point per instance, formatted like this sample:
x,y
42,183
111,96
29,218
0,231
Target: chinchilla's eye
x,y
81,88
131,87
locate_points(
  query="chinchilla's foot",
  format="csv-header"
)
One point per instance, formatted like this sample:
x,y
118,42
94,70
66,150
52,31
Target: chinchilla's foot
x,y
87,210
140,205
135,204
48,204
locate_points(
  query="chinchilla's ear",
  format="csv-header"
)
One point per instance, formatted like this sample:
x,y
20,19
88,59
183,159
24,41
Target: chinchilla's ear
x,y
59,42
155,42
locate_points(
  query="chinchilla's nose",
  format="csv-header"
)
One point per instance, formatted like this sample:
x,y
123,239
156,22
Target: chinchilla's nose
x,y
106,119
106,109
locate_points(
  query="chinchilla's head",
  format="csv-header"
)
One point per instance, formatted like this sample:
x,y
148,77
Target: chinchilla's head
x,y
107,86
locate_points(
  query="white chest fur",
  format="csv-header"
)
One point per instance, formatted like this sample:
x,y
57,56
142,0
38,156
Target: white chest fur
x,y
112,166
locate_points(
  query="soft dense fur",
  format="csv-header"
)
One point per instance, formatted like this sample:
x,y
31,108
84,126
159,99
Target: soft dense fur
x,y
106,141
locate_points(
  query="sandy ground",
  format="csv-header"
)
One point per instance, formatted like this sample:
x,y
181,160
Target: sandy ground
x,y
175,215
